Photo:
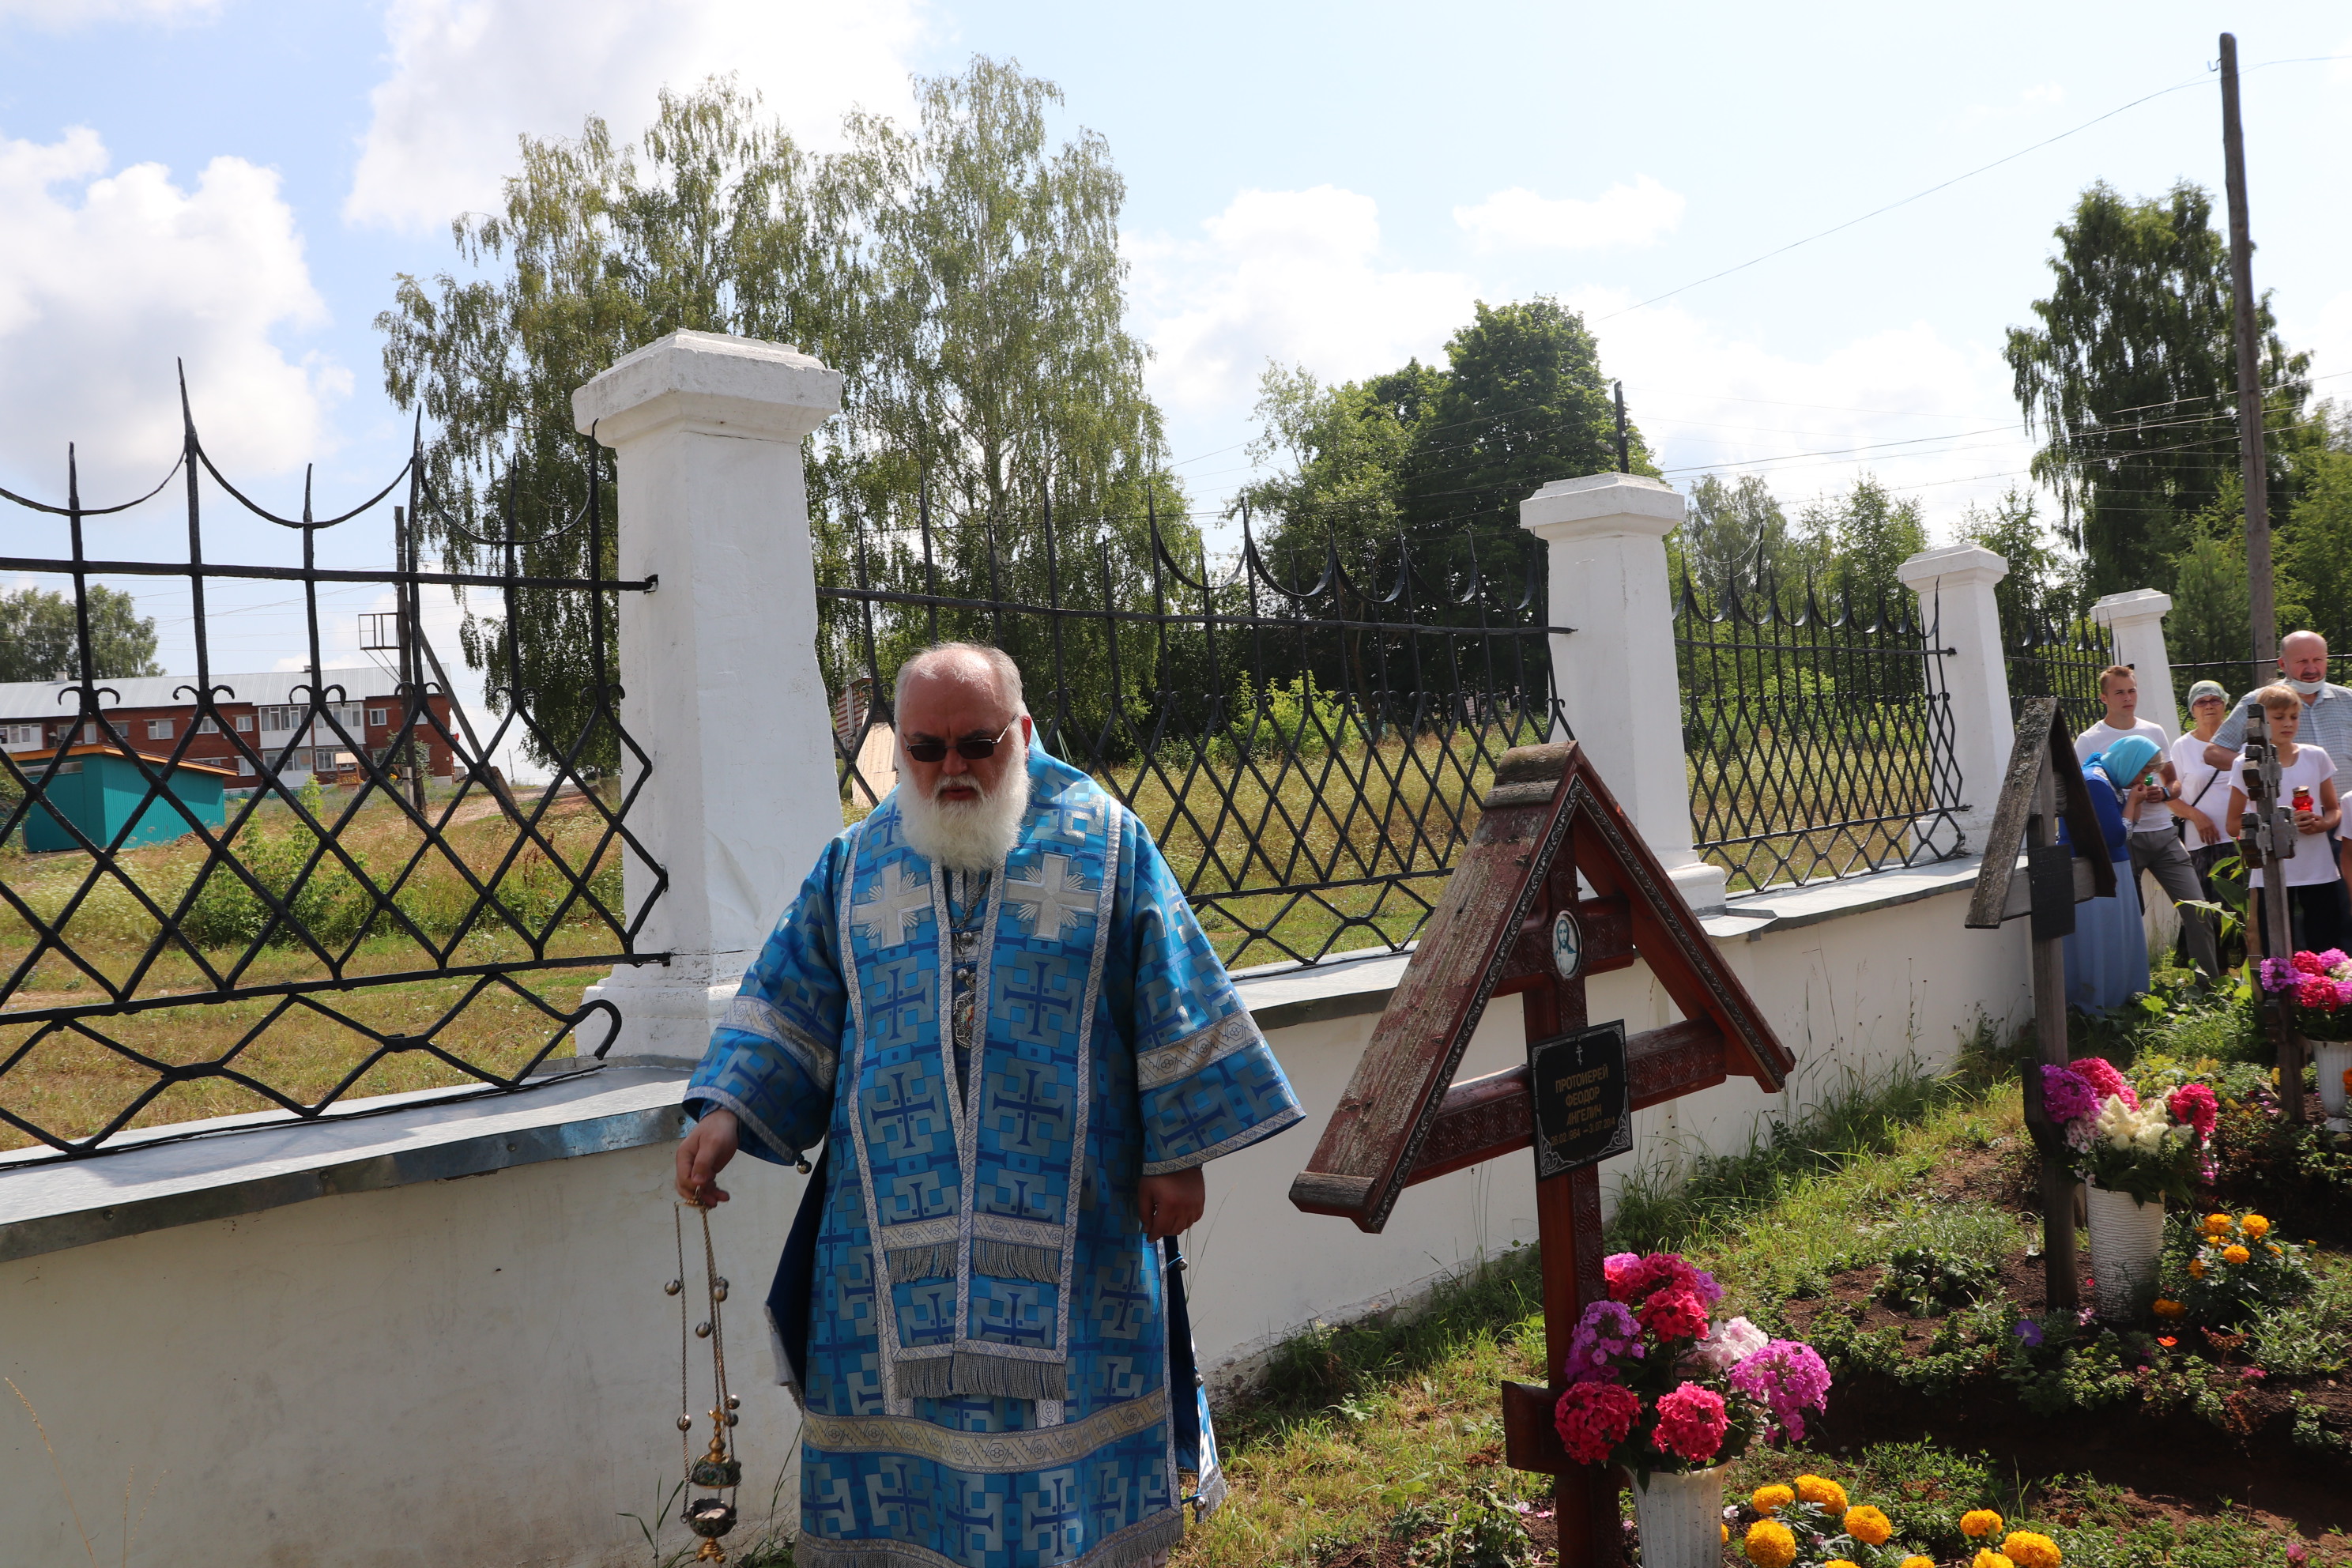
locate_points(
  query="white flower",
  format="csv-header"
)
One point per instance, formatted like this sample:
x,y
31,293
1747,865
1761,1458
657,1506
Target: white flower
x,y
2143,1130
2080,1134
1731,1343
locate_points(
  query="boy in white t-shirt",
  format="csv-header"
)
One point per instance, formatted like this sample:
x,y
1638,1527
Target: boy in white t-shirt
x,y
2315,887
2153,810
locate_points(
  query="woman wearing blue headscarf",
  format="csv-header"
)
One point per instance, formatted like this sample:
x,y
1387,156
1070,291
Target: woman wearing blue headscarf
x,y
2106,956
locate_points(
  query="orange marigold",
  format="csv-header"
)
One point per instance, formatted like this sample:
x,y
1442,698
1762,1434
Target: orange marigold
x,y
1988,1558
1823,1490
2233,1253
2197,1268
1914,1561
1839,1562
2255,1225
2217,1222
2167,1307
1979,1522
2028,1549
1770,1544
1771,1498
1868,1525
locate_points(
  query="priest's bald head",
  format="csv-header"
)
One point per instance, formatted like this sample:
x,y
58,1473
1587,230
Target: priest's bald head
x,y
963,753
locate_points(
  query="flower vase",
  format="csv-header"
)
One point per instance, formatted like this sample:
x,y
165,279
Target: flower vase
x,y
2334,1059
2125,1236
1681,1518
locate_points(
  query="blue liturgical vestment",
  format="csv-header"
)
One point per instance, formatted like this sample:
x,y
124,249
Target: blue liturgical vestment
x,y
976,1328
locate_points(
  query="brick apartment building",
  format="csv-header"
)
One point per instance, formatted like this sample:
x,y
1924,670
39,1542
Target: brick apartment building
x,y
154,715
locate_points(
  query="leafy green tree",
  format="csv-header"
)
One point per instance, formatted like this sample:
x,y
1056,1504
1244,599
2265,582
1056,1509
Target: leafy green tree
x,y
1735,535
2045,578
1523,402
38,640
2315,548
2131,376
1860,538
964,277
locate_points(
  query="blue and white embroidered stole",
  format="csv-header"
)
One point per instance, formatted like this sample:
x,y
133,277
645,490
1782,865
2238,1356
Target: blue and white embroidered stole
x,y
971,1198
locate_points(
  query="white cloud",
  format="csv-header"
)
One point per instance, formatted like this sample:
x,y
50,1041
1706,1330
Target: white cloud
x,y
1926,415
59,15
1292,276
105,278
469,76
1517,218
2331,348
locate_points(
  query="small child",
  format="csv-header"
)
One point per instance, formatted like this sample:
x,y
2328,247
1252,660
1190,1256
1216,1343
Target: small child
x,y
2315,887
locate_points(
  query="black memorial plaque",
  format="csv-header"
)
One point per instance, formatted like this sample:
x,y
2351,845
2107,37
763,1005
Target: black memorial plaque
x,y
1582,1109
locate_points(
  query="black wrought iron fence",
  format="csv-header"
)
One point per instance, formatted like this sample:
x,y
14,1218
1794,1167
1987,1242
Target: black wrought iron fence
x,y
2057,655
1305,734
1819,739
223,922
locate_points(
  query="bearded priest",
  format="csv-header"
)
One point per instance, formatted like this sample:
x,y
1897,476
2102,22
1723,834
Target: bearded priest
x,y
994,1006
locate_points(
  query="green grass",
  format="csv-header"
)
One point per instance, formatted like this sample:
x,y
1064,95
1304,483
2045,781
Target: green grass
x,y
1362,1427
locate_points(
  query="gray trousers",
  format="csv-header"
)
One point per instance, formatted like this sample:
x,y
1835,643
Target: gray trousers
x,y
2163,857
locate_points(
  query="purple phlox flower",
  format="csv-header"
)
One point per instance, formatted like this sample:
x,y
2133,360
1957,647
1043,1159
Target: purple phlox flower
x,y
2251,1373
2086,1316
2334,959
2067,1096
1606,1331
2280,974
2029,1331
1787,1377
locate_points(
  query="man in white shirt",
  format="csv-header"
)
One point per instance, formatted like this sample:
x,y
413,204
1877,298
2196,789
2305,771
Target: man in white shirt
x,y
2326,716
2149,811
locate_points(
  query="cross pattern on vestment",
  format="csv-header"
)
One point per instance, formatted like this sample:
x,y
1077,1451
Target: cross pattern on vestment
x,y
1028,1105
1548,829
1053,900
897,902
1027,990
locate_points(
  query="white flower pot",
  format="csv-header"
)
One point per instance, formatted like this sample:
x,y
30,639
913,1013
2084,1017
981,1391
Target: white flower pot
x,y
2125,1236
1681,1519
2333,1059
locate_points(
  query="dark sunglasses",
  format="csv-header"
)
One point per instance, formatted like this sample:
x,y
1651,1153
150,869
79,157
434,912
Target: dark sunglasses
x,y
972,748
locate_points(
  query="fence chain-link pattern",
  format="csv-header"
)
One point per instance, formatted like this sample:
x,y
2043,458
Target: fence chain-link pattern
x,y
1819,741
287,949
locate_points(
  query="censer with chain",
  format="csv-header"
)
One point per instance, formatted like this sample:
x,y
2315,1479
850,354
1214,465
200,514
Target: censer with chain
x,y
719,1470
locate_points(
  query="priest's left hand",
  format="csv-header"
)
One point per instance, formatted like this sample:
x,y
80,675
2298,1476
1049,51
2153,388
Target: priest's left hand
x,y
1170,1203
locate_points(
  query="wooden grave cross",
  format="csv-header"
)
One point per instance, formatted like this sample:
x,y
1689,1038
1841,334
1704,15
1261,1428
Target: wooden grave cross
x,y
2043,783
1512,920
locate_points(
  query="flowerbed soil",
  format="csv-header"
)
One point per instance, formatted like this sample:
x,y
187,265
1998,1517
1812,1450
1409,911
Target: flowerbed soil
x,y
2168,1458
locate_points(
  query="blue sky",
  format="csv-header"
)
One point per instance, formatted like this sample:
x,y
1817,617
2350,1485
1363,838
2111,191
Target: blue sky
x,y
237,182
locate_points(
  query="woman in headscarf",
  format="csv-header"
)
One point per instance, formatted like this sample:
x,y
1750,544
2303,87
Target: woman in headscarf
x,y
2106,956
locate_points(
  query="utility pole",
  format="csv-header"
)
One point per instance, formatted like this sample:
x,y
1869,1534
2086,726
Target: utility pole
x,y
2252,465
1624,466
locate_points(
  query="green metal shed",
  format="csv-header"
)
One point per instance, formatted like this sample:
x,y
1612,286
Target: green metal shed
x,y
97,787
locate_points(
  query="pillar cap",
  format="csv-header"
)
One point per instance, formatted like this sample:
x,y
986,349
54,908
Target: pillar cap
x,y
1600,505
2139,604
728,385
1955,563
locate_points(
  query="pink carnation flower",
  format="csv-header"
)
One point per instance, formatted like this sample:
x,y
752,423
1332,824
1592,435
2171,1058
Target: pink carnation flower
x,y
1593,1417
2309,963
2065,1096
1691,1424
1787,1377
2193,1103
2316,992
2105,1080
1674,1315
1661,1271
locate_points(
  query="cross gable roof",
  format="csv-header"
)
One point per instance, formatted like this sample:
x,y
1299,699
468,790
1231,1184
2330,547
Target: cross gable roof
x,y
1544,800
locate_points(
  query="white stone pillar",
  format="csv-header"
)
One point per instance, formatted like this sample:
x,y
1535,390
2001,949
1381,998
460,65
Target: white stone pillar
x,y
1955,583
718,664
2136,618
1606,537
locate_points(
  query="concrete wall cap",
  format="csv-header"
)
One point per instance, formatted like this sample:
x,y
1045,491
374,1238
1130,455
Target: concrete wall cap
x,y
771,389
1962,562
1602,504
2136,604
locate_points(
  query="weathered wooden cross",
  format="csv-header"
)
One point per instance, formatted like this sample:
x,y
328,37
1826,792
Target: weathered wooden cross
x,y
1513,920
2043,783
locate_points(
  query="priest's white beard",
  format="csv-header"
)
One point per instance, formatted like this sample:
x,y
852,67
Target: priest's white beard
x,y
966,836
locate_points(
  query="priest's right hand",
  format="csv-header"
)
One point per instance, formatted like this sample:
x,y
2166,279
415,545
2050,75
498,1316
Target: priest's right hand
x,y
708,1145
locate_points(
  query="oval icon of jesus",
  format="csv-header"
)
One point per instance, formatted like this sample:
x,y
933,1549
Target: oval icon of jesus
x,y
1566,945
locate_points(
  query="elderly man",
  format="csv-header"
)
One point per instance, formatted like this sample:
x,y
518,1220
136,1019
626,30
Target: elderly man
x,y
2326,716
2156,847
993,1006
